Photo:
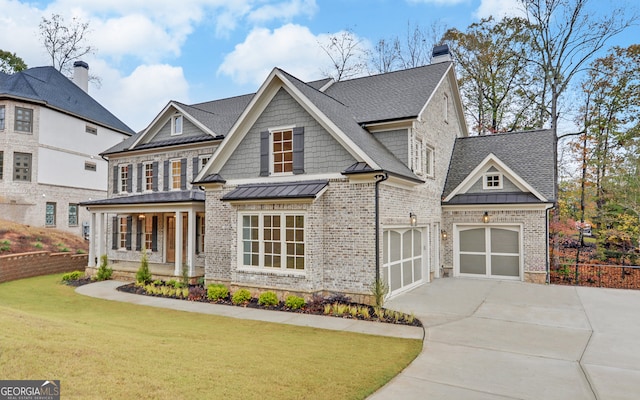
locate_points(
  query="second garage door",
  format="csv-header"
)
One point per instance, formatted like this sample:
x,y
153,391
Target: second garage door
x,y
489,251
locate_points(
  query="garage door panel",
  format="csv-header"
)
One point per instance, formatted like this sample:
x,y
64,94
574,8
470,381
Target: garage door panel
x,y
504,241
407,273
395,246
417,269
473,264
472,240
396,278
505,265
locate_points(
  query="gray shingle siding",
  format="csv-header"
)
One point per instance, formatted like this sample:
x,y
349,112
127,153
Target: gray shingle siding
x,y
397,141
323,154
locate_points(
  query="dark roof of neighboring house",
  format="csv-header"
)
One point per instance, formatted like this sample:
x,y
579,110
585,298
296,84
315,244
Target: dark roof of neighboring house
x,y
394,95
48,86
177,196
530,154
282,190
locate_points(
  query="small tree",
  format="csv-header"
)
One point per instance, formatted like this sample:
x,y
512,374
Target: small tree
x,y
379,290
11,63
104,273
143,276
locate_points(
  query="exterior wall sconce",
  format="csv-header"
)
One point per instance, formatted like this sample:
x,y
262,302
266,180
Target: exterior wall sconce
x,y
413,219
141,216
485,217
443,233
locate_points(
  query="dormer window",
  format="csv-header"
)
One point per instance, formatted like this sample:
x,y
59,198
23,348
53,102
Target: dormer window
x,y
492,180
176,125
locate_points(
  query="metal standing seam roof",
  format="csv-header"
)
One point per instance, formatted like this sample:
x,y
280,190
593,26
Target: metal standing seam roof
x,y
494,198
530,154
282,190
176,196
47,85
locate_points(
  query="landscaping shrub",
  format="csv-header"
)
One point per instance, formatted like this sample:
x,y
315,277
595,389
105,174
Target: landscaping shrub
x,y
268,299
73,276
217,291
5,245
241,296
294,302
197,293
143,275
104,273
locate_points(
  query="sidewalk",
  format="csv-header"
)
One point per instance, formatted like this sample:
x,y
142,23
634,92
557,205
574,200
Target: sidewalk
x,y
107,290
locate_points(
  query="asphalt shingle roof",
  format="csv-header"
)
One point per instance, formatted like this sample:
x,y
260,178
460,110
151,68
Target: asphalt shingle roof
x,y
529,154
47,85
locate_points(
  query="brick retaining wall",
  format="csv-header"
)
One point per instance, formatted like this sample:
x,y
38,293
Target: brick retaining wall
x,y
26,265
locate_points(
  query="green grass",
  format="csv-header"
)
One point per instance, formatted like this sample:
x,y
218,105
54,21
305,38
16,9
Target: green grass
x,y
103,349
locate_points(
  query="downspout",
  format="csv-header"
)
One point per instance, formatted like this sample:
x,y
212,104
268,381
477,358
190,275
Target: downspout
x,y
546,230
379,178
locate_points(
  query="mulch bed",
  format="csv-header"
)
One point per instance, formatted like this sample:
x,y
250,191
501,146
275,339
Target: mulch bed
x,y
316,307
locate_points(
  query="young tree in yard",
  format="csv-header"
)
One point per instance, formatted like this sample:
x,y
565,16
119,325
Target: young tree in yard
x,y
494,76
11,63
347,54
64,43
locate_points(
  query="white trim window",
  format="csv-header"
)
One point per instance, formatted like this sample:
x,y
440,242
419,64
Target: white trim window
x,y
124,178
147,170
275,241
176,125
429,161
492,180
176,174
418,159
23,120
445,101
50,214
122,232
203,162
148,234
282,151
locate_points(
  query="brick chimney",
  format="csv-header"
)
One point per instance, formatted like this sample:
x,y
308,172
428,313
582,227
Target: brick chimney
x,y
440,54
81,75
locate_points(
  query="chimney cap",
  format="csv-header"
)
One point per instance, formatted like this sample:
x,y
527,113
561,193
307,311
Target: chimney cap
x,y
441,50
80,64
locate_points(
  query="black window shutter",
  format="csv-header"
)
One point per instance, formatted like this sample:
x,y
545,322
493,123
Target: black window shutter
x,y
130,178
183,174
139,177
139,234
115,179
166,175
298,150
264,153
155,178
114,234
198,222
129,227
154,233
196,166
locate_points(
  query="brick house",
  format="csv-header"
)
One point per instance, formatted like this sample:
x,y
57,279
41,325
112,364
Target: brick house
x,y
52,132
307,187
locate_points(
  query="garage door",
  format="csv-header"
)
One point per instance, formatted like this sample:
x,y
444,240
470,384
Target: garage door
x,y
489,251
402,259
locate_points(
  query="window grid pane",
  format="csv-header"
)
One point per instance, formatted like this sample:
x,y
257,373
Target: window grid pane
x,y
295,241
123,232
250,242
148,233
124,177
2,113
22,167
175,174
148,176
283,151
50,214
23,119
73,214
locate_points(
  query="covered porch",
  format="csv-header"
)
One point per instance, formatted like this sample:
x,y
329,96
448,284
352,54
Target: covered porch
x,y
168,226
126,271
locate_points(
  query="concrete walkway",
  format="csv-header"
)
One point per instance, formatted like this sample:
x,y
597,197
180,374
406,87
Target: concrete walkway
x,y
107,290
513,340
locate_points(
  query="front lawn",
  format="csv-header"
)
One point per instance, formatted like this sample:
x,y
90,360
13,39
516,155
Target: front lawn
x,y
103,349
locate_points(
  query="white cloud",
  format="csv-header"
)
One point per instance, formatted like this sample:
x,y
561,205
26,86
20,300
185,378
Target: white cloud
x,y
137,98
283,11
499,9
291,47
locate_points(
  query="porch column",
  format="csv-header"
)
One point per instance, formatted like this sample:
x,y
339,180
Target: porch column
x,y
101,234
178,263
92,240
191,241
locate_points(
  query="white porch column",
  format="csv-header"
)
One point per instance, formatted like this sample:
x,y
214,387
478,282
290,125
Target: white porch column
x,y
101,233
178,262
92,240
191,241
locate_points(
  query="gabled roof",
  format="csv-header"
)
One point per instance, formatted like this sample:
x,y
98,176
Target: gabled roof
x,y
529,155
46,85
390,96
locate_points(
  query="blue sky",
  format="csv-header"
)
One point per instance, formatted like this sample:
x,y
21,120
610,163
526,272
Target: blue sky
x,y
150,52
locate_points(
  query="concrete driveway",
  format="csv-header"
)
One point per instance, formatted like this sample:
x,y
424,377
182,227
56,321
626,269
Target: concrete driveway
x,y
512,340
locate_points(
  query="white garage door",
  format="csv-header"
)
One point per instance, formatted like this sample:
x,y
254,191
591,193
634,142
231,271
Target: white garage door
x,y
489,251
402,259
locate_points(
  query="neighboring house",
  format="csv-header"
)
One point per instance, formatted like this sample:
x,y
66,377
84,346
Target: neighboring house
x,y
52,132
284,189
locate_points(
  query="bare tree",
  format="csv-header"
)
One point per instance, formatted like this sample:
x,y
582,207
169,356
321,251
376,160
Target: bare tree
x,y
419,43
386,56
64,43
347,55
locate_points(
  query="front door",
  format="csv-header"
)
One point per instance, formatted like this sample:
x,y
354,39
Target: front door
x,y
171,239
